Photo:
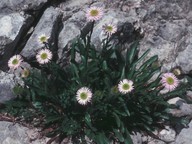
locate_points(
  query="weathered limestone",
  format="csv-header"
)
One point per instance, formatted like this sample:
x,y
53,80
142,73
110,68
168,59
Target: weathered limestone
x,y
47,25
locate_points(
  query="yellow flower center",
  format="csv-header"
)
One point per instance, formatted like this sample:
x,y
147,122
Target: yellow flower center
x,y
126,86
114,89
109,28
25,73
177,71
83,96
15,61
43,39
44,56
94,12
170,80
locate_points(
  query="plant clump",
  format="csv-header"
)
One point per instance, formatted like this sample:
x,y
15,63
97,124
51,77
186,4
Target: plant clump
x,y
105,96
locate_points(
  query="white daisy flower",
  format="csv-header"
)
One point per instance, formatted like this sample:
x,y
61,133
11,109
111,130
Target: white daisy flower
x,y
15,61
169,81
25,73
94,13
125,86
43,39
44,56
109,29
84,95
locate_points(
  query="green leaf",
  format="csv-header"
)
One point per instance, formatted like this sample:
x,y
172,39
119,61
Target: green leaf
x,y
118,121
75,70
123,73
88,121
118,135
18,90
102,139
73,50
131,53
126,110
148,62
128,139
104,65
83,59
52,118
142,57
119,57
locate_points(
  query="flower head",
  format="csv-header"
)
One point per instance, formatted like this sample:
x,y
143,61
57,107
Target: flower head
x,y
15,61
43,39
125,86
169,81
109,29
94,13
25,73
44,56
177,71
84,95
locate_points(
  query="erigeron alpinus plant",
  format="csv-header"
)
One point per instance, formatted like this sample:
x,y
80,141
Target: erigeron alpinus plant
x,y
104,95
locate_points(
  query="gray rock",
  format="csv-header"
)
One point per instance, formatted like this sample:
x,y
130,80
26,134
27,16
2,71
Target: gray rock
x,y
155,141
47,25
71,29
184,58
9,6
167,134
168,33
11,28
189,95
11,133
7,82
183,109
176,101
74,21
150,140
73,5
184,136
122,20
136,138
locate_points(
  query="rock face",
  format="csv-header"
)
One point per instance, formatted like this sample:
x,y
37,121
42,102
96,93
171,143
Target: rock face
x,y
9,29
19,5
164,24
167,31
185,136
12,27
14,24
7,82
16,134
183,109
48,25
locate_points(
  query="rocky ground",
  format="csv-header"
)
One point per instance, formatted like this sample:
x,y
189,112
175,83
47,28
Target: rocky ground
x,y
165,26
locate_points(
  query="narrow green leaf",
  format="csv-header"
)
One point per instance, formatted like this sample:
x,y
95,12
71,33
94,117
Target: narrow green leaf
x,y
126,110
128,139
75,70
119,57
118,135
102,139
83,59
142,57
104,65
131,53
88,121
148,62
118,121
123,73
